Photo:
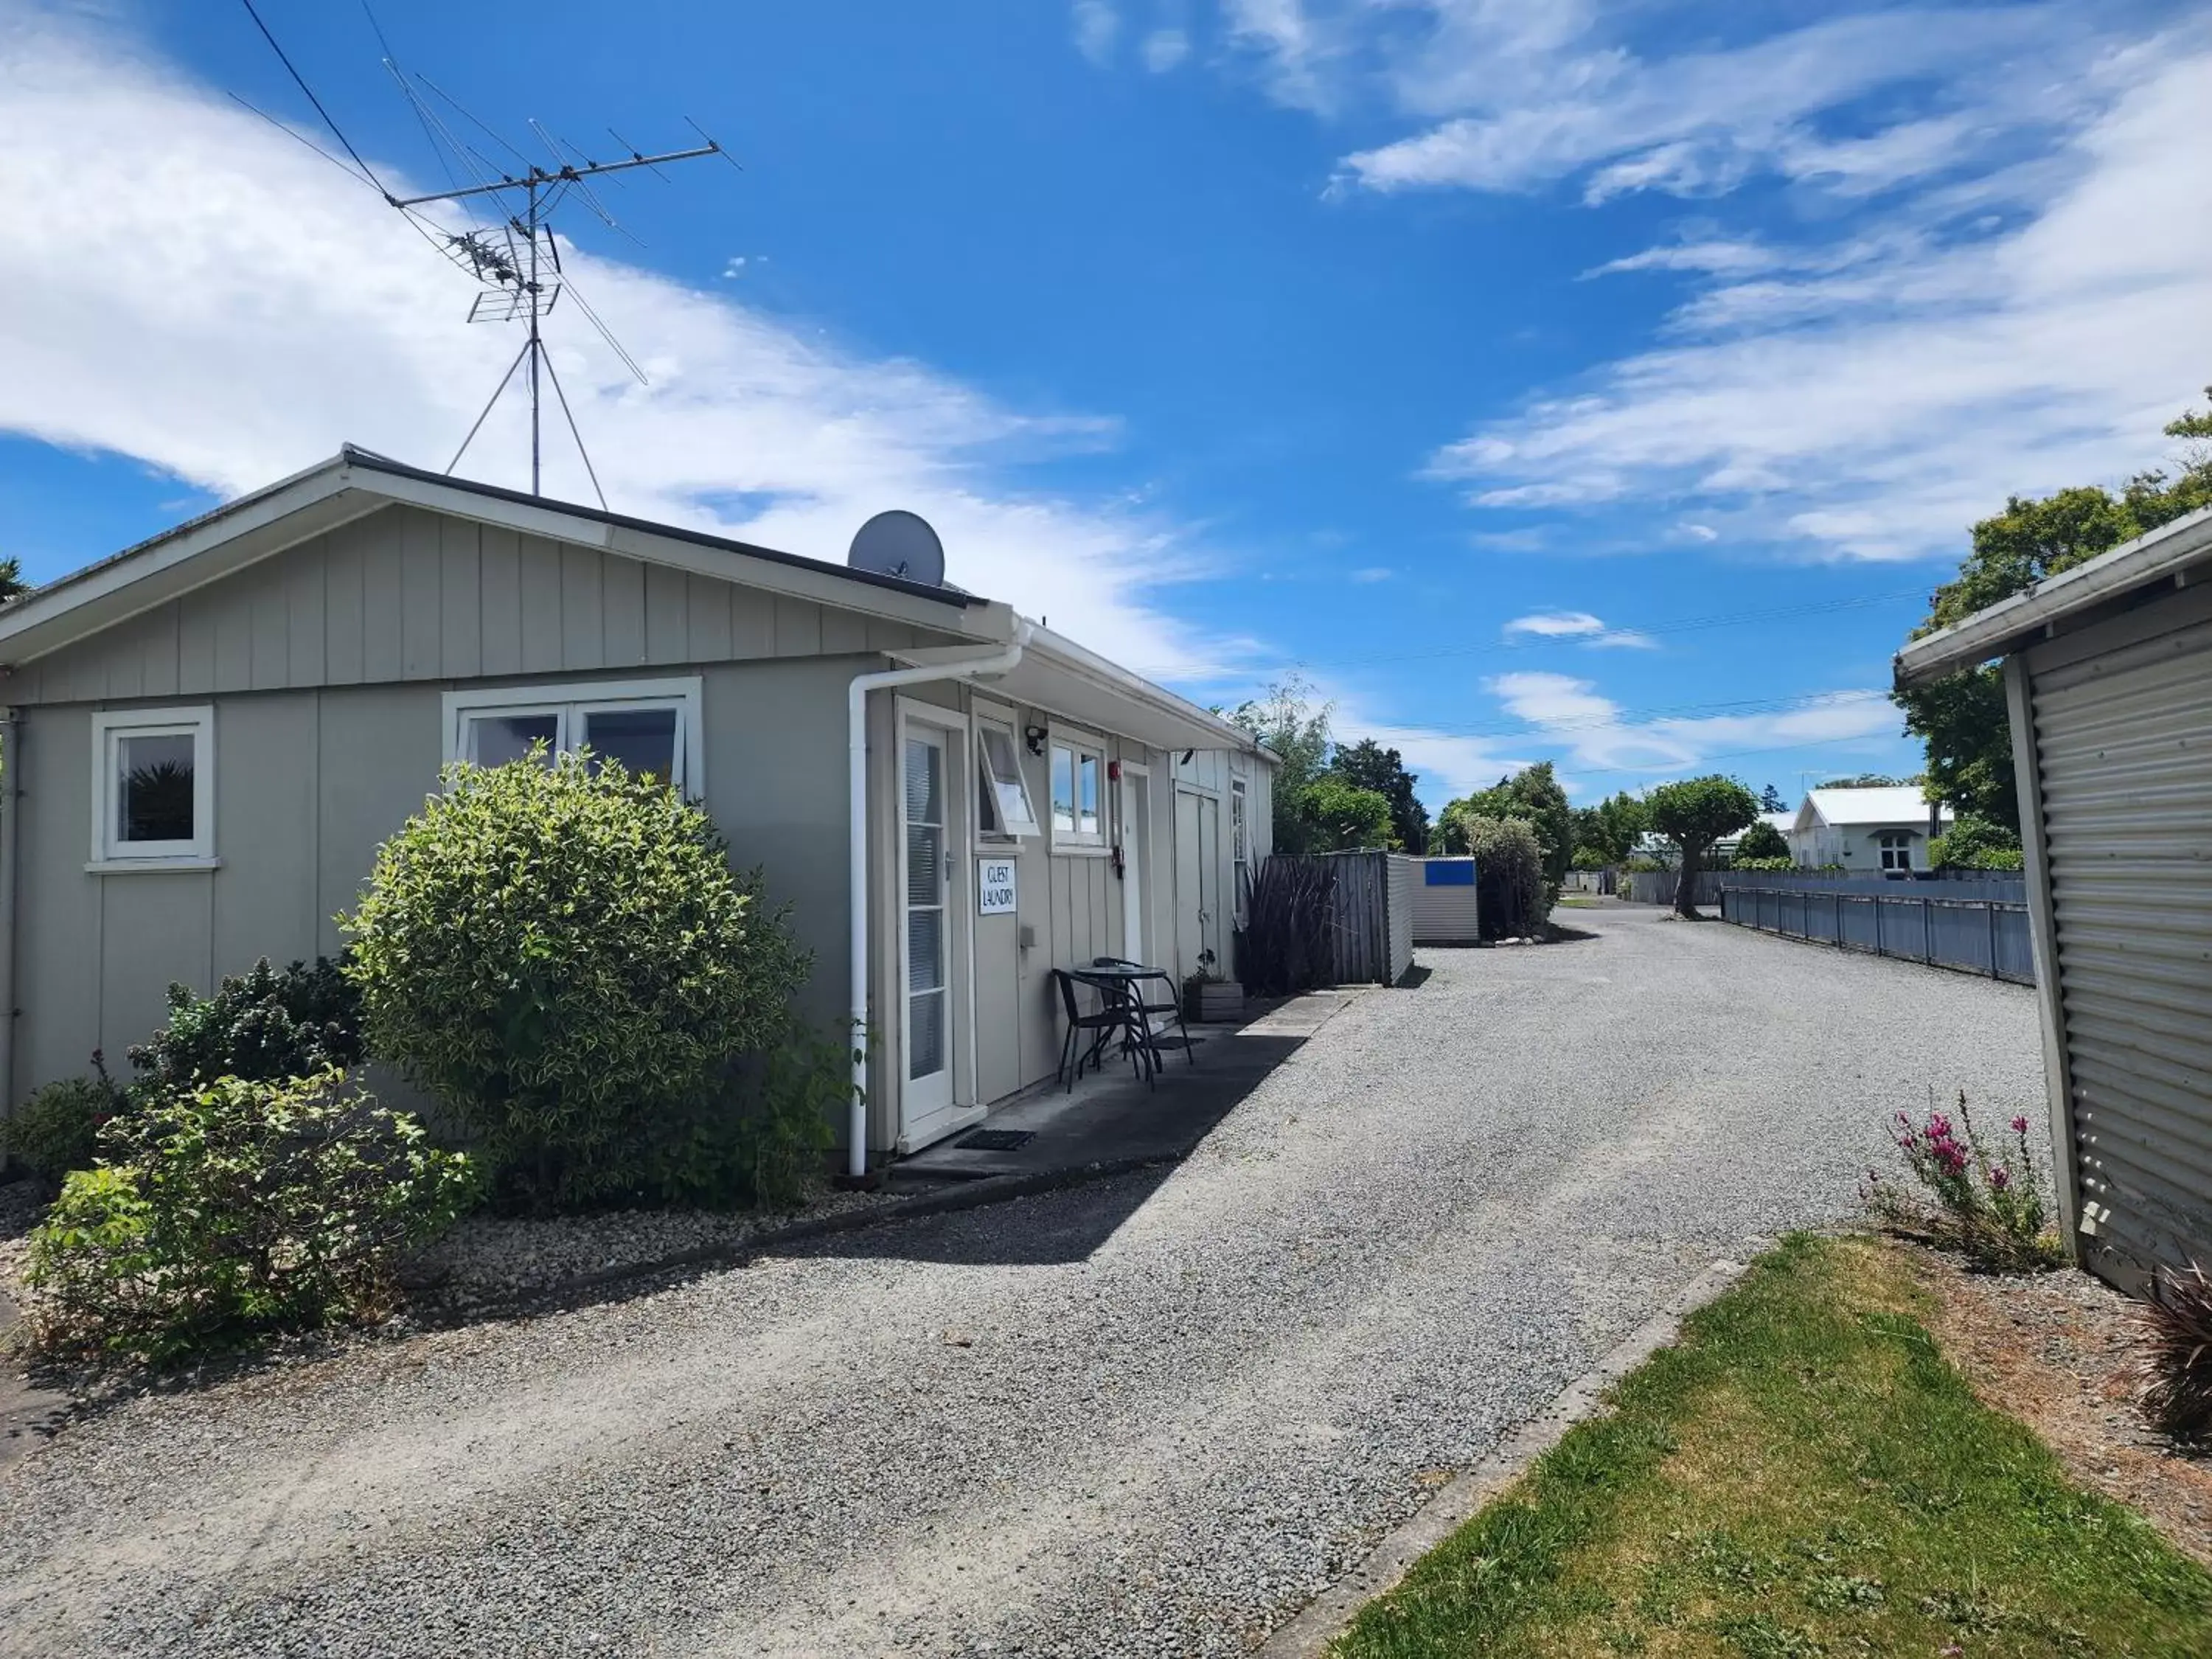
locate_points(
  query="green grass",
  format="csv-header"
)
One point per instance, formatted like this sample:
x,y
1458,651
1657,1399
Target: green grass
x,y
1580,904
1804,1475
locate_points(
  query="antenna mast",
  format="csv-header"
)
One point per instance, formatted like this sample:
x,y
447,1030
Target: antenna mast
x,y
519,279
521,273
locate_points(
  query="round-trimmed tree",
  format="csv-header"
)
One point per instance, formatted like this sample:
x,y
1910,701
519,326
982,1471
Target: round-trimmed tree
x,y
1761,841
1693,814
561,956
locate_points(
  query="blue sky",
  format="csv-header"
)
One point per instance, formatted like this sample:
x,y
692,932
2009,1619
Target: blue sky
x,y
1603,384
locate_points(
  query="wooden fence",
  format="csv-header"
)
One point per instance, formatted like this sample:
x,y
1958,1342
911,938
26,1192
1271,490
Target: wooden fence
x,y
1373,920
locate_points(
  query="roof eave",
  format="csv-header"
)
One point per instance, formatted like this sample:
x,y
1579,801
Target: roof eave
x,y
2166,554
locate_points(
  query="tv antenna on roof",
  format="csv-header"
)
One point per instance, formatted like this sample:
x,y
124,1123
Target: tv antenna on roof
x,y
515,260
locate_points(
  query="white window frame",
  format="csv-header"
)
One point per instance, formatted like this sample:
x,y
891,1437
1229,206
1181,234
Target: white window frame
x,y
1240,844
1081,745
111,854
569,701
1899,841
993,717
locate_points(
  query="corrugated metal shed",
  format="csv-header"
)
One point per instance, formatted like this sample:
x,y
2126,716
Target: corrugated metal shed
x,y
2123,739
1444,902
2108,673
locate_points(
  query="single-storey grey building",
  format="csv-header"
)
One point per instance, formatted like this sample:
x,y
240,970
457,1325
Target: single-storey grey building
x,y
2108,670
1881,830
207,736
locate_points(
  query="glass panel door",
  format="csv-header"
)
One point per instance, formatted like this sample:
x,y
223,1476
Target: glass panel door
x,y
928,878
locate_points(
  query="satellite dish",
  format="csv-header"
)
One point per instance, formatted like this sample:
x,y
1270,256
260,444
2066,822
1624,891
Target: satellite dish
x,y
899,543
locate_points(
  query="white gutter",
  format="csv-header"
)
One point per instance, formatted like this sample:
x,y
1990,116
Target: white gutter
x,y
1110,676
995,661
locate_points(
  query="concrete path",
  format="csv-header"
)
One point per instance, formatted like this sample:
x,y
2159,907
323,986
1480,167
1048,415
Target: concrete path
x,y
1152,1415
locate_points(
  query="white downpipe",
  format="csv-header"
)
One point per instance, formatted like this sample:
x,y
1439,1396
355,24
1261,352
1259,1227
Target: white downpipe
x,y
997,661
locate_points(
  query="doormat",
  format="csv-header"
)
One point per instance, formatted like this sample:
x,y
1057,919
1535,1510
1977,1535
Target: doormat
x,y
995,1141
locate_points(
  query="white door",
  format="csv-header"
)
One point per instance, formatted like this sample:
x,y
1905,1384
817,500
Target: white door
x,y
1198,878
1136,857
926,942
1213,907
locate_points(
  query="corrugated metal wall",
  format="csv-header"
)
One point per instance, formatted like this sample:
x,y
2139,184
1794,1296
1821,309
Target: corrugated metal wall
x,y
1445,910
2123,733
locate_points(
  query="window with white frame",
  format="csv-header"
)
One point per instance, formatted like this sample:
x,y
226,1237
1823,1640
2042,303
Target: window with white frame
x,y
1079,792
1003,812
650,726
1896,847
153,788
1240,842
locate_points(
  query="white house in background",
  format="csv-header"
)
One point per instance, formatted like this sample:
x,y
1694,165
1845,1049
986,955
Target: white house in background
x,y
1876,831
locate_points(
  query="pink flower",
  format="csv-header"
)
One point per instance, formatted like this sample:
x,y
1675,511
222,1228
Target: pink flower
x,y
1939,1126
2020,1126
2000,1178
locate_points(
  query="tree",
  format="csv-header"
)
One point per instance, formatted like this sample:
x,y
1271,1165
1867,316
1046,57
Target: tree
x,y
1286,720
1963,718
1606,834
1512,899
1341,818
1770,800
1694,814
1368,765
1973,843
12,585
1762,841
1534,794
1864,781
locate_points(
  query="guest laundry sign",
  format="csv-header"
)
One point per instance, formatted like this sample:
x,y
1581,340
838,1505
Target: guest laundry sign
x,y
994,887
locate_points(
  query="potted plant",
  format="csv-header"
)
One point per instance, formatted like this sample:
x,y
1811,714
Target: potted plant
x,y
1210,1000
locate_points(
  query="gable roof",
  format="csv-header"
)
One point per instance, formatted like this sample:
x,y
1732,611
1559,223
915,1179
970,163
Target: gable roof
x,y
1843,808
357,481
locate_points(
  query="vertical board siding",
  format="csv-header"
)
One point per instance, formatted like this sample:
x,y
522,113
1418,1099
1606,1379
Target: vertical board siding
x,y
422,597
582,638
345,572
460,590
540,584
499,601
622,612
383,580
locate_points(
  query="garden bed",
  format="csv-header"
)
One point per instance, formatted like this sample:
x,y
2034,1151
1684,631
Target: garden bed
x,y
2051,1349
1804,1474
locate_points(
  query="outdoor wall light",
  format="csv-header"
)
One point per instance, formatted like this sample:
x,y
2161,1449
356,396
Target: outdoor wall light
x,y
1036,735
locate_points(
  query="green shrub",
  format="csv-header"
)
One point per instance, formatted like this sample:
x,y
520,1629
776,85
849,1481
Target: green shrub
x,y
1762,864
561,956
56,1129
261,1025
239,1207
1973,843
1761,841
767,1145
1509,870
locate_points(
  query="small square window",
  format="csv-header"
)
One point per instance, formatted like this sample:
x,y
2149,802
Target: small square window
x,y
1003,809
153,788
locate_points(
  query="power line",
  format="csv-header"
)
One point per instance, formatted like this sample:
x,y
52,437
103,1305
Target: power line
x,y
301,82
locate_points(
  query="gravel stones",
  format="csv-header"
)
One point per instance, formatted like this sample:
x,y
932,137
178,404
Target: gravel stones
x,y
1148,1416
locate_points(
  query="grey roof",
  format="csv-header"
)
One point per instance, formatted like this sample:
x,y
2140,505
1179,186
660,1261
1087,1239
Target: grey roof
x,y
2174,553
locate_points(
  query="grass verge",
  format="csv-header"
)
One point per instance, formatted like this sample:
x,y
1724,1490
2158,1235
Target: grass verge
x,y
1804,1475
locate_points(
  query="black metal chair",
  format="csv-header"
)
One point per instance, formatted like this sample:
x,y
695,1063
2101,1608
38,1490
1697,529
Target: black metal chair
x,y
1144,1003
1100,1025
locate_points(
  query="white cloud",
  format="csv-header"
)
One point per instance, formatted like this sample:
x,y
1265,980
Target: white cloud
x,y
1097,27
1590,732
1715,258
1873,412
1621,639
1555,624
1373,573
1521,96
1165,48
1297,51
189,287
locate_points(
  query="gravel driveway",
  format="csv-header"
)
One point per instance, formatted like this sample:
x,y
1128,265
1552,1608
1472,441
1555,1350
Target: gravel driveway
x,y
1150,1416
